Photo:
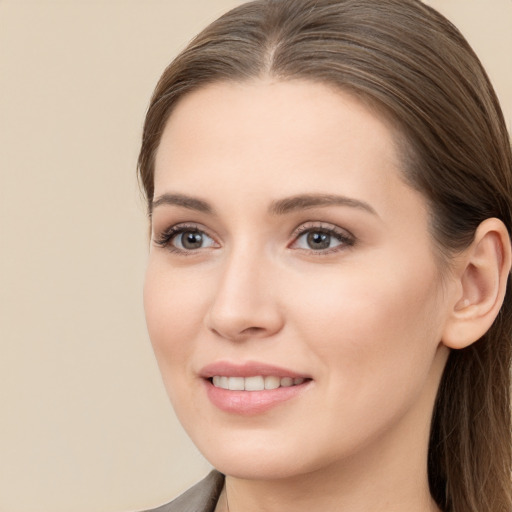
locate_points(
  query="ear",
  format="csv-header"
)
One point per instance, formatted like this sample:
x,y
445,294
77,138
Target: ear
x,y
481,280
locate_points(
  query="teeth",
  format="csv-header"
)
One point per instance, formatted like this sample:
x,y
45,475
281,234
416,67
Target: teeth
x,y
272,382
256,383
286,382
236,383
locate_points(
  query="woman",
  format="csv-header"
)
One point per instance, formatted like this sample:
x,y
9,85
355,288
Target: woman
x,y
329,189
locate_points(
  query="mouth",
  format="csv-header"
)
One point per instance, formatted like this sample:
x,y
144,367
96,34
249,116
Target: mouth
x,y
252,388
255,383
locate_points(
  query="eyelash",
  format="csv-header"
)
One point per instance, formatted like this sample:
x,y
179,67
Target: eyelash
x,y
345,238
165,238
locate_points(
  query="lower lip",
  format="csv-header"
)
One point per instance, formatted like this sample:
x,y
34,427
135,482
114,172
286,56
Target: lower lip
x,y
248,403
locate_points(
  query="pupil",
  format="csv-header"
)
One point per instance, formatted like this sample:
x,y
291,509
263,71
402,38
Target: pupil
x,y
319,240
192,240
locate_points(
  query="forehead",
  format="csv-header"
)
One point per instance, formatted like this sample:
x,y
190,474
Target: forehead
x,y
264,127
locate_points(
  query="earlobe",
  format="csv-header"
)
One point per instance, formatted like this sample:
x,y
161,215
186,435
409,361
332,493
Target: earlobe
x,y
482,279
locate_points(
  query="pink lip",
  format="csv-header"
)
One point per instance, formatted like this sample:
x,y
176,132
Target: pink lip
x,y
246,369
249,403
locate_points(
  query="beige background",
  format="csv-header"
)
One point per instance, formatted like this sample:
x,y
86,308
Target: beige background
x,y
84,422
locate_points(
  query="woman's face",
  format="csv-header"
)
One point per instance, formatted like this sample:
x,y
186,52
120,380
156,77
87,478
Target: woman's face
x,y
287,251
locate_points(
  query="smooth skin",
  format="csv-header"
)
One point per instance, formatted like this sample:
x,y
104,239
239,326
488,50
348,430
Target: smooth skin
x,y
349,292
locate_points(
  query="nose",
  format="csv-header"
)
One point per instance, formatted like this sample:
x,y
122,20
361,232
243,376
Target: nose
x,y
245,303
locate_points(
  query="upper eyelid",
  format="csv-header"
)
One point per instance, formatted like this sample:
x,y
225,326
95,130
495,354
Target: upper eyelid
x,y
299,228
302,228
192,226
320,225
163,237
344,236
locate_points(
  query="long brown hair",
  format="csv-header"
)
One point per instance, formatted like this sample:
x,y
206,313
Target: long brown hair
x,y
416,66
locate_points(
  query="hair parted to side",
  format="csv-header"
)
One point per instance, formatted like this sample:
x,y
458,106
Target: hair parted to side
x,y
411,62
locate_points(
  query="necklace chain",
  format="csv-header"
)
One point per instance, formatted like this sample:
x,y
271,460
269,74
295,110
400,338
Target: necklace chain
x,y
227,501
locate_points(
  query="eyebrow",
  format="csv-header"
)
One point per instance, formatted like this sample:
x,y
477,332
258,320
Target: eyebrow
x,y
191,203
305,201
278,207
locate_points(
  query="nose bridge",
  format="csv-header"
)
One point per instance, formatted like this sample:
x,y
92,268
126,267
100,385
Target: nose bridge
x,y
244,304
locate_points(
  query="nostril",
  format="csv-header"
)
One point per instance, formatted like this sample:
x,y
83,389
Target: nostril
x,y
251,331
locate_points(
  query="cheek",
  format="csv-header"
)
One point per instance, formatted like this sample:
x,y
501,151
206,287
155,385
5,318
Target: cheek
x,y
173,307
374,341
173,311
372,324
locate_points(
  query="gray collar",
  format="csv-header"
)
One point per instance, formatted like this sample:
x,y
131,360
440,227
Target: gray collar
x,y
202,497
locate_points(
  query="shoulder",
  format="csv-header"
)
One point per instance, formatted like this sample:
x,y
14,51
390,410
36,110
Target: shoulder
x,y
200,498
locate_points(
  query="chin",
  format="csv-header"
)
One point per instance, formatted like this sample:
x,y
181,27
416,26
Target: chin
x,y
257,468
253,456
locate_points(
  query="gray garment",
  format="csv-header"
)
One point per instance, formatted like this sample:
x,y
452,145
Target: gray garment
x,y
202,497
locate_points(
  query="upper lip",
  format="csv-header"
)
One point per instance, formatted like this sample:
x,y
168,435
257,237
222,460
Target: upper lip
x,y
246,369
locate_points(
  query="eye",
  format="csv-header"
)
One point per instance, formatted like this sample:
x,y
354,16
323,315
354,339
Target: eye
x,y
322,239
190,240
317,241
185,239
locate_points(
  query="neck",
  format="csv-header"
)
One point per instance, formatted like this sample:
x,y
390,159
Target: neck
x,y
341,489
